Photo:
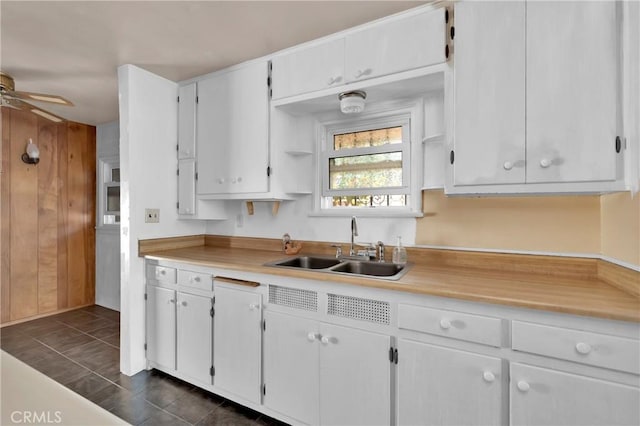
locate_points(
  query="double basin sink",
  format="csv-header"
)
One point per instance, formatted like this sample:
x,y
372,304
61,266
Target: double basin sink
x,y
364,268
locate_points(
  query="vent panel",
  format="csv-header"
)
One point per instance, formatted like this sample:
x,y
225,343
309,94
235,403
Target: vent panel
x,y
359,309
293,298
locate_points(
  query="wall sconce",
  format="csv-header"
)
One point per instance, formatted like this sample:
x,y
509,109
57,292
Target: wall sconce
x,y
32,153
352,102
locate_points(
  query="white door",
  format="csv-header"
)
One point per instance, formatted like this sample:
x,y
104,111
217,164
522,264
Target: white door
x,y
161,326
233,131
442,386
194,336
236,353
572,91
489,86
314,68
355,377
187,187
291,349
187,121
546,397
403,44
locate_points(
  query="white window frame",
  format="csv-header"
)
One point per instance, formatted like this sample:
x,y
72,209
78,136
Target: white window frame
x,y
106,165
409,115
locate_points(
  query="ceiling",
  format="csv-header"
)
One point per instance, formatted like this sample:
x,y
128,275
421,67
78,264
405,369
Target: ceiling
x,y
73,48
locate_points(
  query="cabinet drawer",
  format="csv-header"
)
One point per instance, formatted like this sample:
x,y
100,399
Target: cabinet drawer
x,y
161,274
195,279
473,328
617,353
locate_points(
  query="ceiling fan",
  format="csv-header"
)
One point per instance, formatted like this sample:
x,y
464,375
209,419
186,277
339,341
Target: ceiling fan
x,y
18,100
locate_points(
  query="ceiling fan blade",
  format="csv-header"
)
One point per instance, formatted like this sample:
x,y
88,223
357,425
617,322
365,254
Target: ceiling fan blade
x,y
26,106
40,97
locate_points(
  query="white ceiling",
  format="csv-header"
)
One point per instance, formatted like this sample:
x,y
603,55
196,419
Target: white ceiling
x,y
73,48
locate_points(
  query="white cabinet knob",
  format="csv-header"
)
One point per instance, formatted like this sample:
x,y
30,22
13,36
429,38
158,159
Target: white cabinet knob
x,y
488,376
184,303
508,165
583,348
325,340
195,279
545,162
253,306
312,336
362,73
221,181
523,386
234,180
445,324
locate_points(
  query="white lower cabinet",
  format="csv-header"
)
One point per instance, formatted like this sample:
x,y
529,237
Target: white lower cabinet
x,y
179,332
320,373
443,386
540,396
238,344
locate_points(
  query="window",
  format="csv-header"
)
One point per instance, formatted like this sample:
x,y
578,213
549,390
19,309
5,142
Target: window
x,y
366,164
110,192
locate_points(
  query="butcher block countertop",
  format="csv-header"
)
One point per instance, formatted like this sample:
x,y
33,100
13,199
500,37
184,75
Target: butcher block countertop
x,y
577,286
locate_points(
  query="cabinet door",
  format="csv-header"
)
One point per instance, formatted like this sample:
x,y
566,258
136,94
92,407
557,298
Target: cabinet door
x,y
489,87
194,336
572,91
355,377
236,353
403,44
443,386
187,121
161,326
291,366
187,187
546,397
310,69
232,129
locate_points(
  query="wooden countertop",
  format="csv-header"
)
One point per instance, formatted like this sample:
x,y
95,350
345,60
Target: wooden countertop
x,y
579,295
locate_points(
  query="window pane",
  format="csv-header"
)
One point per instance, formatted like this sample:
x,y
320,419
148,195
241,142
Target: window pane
x,y
368,138
115,175
113,198
366,171
369,201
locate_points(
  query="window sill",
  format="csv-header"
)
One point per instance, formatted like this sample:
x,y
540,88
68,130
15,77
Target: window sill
x,y
372,212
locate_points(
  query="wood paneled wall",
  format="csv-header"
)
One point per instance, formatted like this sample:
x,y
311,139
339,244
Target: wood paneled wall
x,y
47,221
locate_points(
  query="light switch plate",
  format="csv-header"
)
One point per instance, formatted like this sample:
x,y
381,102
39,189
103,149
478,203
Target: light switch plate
x,y
152,215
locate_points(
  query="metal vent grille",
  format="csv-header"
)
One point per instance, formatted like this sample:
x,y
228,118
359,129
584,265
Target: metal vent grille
x,y
357,308
293,298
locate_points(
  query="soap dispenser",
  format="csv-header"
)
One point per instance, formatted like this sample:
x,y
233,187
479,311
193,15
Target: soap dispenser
x,y
399,253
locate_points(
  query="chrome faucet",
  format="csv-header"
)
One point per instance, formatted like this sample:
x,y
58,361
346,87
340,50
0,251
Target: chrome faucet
x,y
354,233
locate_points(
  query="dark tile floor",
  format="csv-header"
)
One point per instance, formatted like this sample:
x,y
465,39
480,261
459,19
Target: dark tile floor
x,y
79,349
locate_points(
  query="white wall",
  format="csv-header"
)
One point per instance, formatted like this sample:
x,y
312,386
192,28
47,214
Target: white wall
x,y
107,236
148,133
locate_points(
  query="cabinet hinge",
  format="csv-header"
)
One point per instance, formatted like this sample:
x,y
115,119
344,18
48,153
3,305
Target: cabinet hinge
x,y
212,312
177,147
391,355
145,296
197,99
212,371
178,205
178,172
264,389
264,325
395,356
269,80
196,175
452,156
268,171
145,346
178,99
618,144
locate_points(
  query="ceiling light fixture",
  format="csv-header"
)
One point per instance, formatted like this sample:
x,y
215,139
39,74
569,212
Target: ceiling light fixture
x,y
352,102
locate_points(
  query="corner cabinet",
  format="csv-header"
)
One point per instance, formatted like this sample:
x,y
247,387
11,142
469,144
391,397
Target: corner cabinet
x,y
546,116
233,131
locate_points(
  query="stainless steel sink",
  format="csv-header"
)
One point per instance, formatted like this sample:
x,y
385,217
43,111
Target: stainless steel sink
x,y
307,262
330,265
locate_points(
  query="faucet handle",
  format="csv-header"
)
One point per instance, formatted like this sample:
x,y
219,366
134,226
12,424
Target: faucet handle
x,y
380,251
338,248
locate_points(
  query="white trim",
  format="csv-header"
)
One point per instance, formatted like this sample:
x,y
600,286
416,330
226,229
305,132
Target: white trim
x,y
378,212
534,253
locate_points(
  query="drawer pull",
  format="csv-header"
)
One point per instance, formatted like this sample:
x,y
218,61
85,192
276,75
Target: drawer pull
x,y
583,348
195,279
488,376
523,386
253,306
445,324
172,301
312,336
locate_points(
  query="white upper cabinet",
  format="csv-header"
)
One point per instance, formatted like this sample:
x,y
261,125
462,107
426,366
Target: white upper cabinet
x,y
397,45
489,93
187,121
308,70
187,187
233,131
536,95
572,91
